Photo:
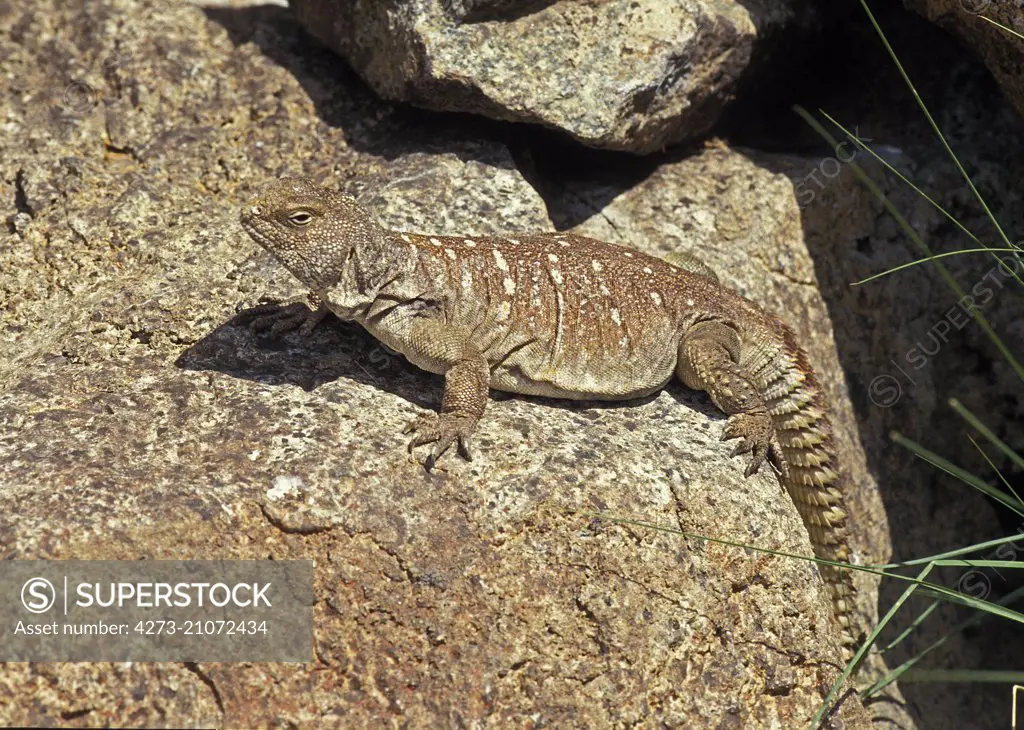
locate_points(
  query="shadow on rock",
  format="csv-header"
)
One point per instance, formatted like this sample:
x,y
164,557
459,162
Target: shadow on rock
x,y
338,349
335,350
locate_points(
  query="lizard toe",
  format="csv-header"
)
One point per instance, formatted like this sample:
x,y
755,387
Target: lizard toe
x,y
776,459
466,448
442,430
757,437
760,454
743,447
275,318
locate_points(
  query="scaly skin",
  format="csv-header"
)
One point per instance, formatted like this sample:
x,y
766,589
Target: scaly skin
x,y
562,316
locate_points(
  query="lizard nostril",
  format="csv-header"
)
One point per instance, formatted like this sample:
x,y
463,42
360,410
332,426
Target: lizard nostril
x,y
255,210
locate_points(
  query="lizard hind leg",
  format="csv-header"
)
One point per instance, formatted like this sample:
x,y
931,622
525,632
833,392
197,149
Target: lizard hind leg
x,y
709,360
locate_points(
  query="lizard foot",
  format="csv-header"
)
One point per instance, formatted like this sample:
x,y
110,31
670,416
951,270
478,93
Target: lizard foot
x,y
758,438
276,318
441,429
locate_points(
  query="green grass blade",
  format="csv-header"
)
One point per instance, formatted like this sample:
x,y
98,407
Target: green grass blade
x,y
1000,25
984,563
862,652
995,468
885,163
973,312
918,582
985,431
933,257
921,618
952,553
947,466
931,121
895,674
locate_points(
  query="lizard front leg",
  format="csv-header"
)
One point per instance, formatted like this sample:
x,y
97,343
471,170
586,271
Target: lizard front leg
x,y
709,360
466,385
276,318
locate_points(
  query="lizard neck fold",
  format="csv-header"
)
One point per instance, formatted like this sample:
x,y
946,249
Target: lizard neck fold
x,y
376,261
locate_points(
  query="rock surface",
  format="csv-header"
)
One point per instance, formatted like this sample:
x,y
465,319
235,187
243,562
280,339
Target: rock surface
x,y
740,212
1002,50
622,75
136,423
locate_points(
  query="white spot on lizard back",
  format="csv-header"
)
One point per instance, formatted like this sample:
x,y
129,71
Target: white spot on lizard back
x,y
510,285
469,243
689,302
449,253
616,317
598,268
552,258
500,260
656,297
405,238
504,310
556,276
559,325
467,278
647,270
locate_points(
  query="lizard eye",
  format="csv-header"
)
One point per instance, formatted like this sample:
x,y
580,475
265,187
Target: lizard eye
x,y
300,218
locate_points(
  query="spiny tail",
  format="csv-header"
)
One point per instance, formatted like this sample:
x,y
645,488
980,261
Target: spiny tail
x,y
816,484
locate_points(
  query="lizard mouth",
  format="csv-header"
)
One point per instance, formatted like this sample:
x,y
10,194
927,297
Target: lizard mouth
x,y
261,231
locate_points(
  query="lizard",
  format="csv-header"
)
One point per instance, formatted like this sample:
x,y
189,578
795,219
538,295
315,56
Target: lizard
x,y
563,316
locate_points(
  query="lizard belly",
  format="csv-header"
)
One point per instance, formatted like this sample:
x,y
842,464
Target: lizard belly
x,y
530,371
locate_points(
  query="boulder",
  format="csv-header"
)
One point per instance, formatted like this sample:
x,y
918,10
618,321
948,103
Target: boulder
x,y
621,75
137,423
1001,48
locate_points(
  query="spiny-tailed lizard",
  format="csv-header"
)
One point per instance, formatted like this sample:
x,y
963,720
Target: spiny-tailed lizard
x,y
562,316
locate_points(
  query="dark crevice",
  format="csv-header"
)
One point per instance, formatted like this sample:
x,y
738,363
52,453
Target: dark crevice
x,y
69,715
20,197
194,668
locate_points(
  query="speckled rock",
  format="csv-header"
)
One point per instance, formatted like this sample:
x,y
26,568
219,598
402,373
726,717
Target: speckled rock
x,y
622,74
135,422
798,256
1001,50
741,215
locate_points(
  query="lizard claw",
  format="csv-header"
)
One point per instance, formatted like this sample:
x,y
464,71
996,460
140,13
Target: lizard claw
x,y
758,437
276,318
441,429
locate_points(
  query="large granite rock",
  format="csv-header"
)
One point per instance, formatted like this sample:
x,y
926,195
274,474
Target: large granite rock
x,y
798,257
622,74
136,423
1000,49
741,214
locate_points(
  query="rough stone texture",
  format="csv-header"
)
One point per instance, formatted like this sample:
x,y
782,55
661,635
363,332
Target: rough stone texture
x,y
744,220
799,256
134,422
622,74
1002,51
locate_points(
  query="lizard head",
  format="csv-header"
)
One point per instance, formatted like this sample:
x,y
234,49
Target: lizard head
x,y
310,229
